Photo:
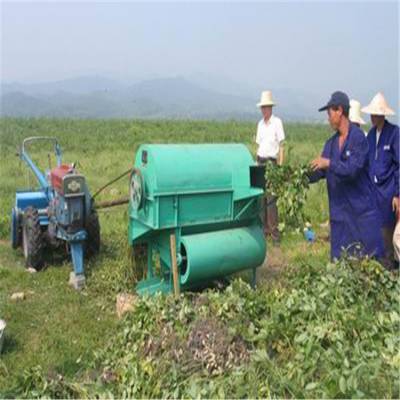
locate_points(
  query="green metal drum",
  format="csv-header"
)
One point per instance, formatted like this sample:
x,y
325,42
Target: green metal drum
x,y
215,254
210,197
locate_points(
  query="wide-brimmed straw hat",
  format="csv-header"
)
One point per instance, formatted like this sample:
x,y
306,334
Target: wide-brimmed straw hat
x,y
355,112
378,106
266,99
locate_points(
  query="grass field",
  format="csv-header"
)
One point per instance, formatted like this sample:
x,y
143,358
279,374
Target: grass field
x,y
297,328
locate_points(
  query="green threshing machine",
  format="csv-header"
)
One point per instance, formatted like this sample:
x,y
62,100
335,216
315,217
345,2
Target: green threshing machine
x,y
194,214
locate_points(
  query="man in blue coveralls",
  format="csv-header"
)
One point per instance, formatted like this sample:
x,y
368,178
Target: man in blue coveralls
x,y
352,205
383,140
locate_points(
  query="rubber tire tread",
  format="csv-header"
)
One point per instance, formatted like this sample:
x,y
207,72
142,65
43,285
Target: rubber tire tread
x,y
35,245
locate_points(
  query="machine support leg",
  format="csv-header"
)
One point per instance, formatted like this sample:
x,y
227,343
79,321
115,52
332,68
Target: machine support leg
x,y
174,265
77,278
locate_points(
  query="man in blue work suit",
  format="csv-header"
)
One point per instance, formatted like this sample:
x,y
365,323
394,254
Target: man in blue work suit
x,y
383,140
352,204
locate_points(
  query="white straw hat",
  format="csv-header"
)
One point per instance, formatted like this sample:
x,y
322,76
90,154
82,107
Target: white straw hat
x,y
266,99
378,106
355,112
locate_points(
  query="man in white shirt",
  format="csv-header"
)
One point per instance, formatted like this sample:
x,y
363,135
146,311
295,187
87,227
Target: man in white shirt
x,y
355,114
270,138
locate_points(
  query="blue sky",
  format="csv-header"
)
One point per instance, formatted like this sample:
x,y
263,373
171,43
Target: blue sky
x,y
312,46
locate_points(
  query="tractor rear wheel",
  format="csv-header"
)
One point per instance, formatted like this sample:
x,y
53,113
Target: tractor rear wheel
x,y
92,244
32,239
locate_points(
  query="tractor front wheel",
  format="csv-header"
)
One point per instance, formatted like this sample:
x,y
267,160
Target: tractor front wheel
x,y
32,239
92,245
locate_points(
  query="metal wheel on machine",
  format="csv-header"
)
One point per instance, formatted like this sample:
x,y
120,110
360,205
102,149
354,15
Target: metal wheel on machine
x,y
32,239
92,244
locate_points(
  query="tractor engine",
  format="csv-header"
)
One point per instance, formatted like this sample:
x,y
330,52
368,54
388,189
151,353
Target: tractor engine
x,y
69,203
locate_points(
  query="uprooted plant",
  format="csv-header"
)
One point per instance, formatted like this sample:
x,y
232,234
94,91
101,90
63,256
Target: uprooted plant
x,y
289,183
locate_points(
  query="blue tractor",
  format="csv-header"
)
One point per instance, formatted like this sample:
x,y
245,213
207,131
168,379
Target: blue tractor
x,y
60,214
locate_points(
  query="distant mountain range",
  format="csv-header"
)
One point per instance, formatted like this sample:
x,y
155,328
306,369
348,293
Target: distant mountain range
x,y
95,97
171,98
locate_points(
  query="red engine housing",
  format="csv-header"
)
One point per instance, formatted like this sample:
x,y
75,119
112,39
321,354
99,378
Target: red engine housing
x,y
57,174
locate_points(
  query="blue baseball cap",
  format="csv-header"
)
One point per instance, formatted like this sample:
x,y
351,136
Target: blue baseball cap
x,y
337,99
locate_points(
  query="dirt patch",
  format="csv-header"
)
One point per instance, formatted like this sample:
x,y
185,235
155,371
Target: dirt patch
x,y
209,345
274,263
125,303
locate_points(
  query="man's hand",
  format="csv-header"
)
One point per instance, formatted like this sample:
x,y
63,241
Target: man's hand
x,y
320,163
281,154
395,205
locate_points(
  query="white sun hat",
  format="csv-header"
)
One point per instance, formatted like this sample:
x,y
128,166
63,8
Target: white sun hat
x,y
266,99
378,106
355,112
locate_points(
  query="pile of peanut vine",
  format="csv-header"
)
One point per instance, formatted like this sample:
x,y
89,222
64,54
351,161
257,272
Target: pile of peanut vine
x,y
289,183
